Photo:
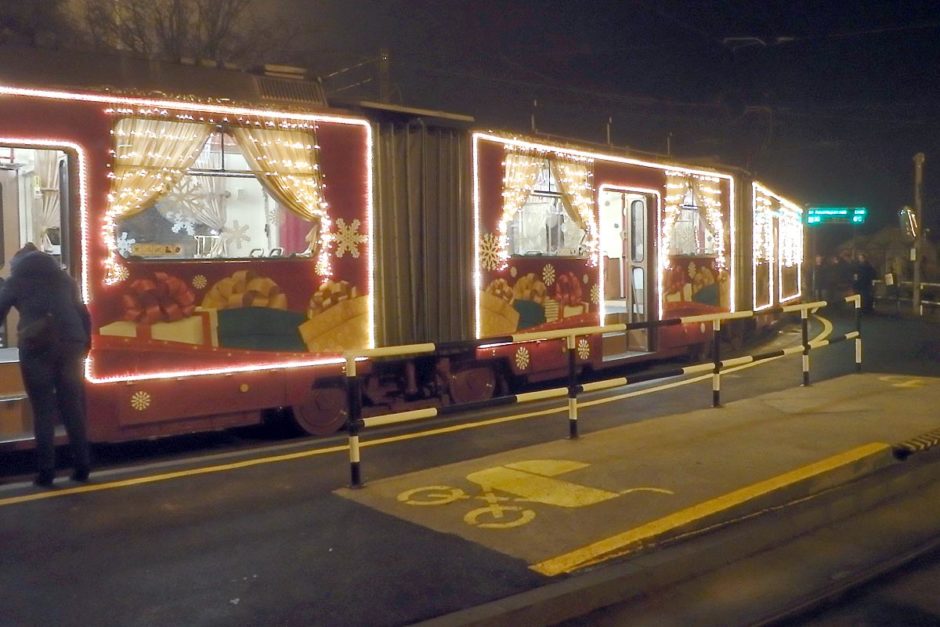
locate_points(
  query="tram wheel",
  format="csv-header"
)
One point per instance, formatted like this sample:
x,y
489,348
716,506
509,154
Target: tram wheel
x,y
323,411
472,383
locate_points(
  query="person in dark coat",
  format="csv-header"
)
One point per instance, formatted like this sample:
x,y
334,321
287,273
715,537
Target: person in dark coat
x,y
862,282
51,361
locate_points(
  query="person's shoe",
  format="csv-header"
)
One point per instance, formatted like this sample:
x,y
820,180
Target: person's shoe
x,y
80,475
44,479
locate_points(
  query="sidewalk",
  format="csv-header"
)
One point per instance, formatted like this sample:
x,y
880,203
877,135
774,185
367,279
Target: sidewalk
x,y
570,509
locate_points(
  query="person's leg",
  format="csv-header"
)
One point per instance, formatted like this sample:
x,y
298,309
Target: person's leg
x,y
70,395
38,379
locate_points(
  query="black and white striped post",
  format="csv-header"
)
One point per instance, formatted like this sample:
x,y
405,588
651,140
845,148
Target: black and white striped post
x,y
572,387
857,299
804,334
353,419
716,353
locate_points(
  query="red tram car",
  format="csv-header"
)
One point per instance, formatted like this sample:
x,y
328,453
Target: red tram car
x,y
233,239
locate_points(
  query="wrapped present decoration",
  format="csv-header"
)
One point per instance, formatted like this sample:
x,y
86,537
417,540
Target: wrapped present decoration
x,y
199,329
497,315
165,298
245,289
338,319
569,294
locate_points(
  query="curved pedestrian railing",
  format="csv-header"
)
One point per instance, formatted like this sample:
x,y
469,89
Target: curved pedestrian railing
x,y
356,423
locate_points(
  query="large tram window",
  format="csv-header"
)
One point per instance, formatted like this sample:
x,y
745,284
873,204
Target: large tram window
x,y
218,210
544,225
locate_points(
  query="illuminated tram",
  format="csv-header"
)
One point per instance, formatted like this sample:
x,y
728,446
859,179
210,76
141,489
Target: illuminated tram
x,y
230,249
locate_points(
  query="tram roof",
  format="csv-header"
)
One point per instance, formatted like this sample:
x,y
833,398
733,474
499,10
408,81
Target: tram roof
x,y
279,87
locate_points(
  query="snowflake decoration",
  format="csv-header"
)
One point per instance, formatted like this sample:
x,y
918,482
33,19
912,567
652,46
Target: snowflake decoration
x,y
200,281
187,197
117,274
513,271
522,358
140,401
181,222
348,238
490,257
584,348
595,294
124,244
236,235
275,216
548,274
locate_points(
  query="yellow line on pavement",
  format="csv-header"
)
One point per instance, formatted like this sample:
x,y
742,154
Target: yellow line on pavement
x,y
126,483
627,541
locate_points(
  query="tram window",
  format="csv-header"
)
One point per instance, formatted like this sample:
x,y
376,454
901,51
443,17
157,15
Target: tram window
x,y
218,209
32,197
637,230
543,226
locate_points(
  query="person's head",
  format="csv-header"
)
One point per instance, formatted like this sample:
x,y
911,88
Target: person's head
x,y
861,258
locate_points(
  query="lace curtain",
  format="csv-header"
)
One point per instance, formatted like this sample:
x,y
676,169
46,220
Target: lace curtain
x,y
519,179
286,164
151,156
46,213
577,194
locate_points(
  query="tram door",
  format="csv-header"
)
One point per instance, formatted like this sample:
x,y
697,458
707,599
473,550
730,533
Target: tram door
x,y
626,276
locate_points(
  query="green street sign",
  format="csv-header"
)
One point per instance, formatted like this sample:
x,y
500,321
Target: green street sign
x,y
836,215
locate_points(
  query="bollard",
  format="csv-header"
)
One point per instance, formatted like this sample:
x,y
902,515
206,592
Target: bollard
x,y
858,340
804,330
353,420
716,373
572,388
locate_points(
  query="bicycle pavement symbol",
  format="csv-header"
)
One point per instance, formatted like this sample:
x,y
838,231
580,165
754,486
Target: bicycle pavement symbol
x,y
511,491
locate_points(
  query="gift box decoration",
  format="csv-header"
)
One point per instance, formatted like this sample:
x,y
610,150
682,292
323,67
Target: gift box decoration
x,y
260,329
165,298
338,319
198,329
497,315
245,289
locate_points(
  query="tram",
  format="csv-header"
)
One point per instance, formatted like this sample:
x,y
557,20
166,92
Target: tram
x,y
233,235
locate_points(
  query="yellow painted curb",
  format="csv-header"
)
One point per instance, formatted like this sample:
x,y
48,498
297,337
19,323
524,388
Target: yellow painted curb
x,y
624,542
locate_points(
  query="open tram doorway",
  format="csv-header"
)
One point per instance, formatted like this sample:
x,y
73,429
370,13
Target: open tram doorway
x,y
34,199
624,216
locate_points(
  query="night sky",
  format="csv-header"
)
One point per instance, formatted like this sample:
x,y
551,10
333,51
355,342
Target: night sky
x,y
826,101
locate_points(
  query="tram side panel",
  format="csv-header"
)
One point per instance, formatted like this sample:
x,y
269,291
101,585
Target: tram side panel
x,y
187,336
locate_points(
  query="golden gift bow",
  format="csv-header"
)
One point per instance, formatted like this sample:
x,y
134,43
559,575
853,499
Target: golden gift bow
x,y
245,289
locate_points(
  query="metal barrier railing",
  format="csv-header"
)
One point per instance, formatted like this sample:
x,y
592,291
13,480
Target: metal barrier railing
x,y
356,423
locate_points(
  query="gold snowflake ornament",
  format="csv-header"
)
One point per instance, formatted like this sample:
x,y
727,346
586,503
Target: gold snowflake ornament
x,y
584,348
140,400
200,282
548,274
490,257
522,358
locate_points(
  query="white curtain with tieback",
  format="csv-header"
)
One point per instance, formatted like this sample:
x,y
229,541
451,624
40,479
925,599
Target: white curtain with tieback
x,y
520,175
285,161
46,213
577,196
150,158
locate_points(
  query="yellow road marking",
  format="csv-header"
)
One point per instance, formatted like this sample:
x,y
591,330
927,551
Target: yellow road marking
x,y
902,381
625,542
126,483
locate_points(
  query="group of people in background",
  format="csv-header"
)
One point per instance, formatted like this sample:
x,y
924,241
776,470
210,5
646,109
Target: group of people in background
x,y
840,275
